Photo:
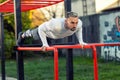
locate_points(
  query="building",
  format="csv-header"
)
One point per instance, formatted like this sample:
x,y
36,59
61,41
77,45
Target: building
x,y
89,7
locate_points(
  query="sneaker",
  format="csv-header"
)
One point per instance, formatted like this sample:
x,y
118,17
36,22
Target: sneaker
x,y
27,34
20,39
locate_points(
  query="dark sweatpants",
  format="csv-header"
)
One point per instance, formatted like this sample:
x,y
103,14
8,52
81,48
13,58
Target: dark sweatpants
x,y
36,37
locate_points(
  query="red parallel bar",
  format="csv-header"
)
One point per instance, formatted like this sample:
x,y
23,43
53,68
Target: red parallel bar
x,y
93,46
76,46
85,46
95,63
105,44
52,47
68,46
34,48
56,72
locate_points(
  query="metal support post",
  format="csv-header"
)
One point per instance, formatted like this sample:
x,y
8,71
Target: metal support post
x,y
69,64
18,28
56,72
95,63
2,55
69,55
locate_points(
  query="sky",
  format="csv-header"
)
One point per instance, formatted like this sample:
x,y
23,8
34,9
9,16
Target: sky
x,y
101,4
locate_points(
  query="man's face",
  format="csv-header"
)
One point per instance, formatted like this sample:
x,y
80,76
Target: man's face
x,y
71,23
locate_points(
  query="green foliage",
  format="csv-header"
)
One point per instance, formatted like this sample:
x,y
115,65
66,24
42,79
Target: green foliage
x,y
9,25
9,42
25,21
2,1
24,18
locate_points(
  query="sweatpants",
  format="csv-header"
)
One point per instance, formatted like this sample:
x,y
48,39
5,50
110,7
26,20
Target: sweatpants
x,y
36,37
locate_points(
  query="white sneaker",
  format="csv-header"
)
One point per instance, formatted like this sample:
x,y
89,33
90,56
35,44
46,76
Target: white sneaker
x,y
27,34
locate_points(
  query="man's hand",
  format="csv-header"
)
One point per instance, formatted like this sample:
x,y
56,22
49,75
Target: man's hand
x,y
82,45
44,48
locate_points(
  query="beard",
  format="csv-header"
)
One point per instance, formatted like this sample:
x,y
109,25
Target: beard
x,y
73,29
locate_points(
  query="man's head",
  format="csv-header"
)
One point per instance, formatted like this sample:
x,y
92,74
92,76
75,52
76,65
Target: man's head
x,y
71,21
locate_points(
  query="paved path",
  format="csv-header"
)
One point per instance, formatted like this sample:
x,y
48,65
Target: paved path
x,y
9,78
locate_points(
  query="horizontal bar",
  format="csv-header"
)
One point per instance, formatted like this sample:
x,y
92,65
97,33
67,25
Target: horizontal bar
x,y
71,46
67,46
34,48
105,44
86,46
22,48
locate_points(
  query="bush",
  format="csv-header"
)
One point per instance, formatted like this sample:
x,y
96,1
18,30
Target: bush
x,y
9,42
9,32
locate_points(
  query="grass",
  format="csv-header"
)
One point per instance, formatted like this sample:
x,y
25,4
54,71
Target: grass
x,y
42,69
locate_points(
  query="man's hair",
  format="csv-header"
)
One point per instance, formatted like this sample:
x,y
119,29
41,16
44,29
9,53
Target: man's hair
x,y
71,14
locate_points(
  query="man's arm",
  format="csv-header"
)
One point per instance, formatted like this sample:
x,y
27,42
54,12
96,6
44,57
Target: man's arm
x,y
79,36
79,33
43,38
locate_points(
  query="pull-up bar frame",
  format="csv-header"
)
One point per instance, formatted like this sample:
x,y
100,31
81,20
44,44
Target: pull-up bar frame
x,y
2,55
77,46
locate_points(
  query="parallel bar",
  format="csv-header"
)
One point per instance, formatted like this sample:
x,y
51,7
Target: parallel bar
x,y
95,63
33,48
56,72
56,47
68,46
105,44
71,46
50,48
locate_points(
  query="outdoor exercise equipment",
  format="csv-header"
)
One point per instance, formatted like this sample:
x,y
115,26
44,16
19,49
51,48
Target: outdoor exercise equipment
x,y
8,5
2,55
77,46
16,7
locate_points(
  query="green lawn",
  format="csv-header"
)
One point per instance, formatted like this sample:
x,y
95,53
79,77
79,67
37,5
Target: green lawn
x,y
42,69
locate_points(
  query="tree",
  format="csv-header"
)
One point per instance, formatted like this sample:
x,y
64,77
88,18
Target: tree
x,y
2,1
38,16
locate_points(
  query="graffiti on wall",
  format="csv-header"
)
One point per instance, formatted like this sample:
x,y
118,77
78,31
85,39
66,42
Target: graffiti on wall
x,y
110,33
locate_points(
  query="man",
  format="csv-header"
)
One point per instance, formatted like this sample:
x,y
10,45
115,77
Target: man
x,y
56,29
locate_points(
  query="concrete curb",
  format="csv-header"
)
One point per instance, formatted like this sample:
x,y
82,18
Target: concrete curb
x,y
9,78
